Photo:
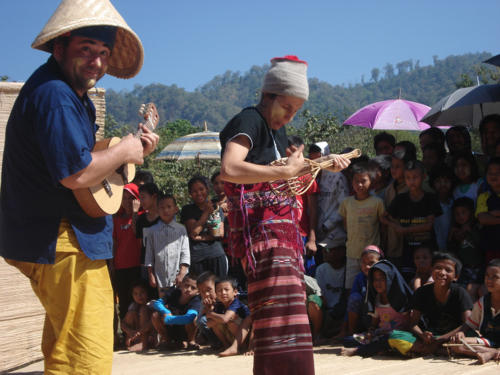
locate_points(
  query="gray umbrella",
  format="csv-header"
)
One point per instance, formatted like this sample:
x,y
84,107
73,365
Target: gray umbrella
x,y
495,60
465,106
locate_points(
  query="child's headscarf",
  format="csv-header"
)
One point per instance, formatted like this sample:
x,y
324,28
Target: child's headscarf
x,y
399,293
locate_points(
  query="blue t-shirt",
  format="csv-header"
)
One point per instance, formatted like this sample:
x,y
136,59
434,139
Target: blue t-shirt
x,y
359,285
172,300
237,306
49,136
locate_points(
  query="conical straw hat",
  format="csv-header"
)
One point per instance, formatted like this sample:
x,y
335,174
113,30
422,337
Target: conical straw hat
x,y
127,55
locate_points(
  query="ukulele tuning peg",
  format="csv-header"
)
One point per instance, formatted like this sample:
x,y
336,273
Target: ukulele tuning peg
x,y
142,109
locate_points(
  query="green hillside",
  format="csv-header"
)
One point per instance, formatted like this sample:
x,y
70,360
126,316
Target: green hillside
x,y
223,96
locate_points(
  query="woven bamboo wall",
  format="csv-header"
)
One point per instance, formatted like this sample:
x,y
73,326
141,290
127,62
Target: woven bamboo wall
x,y
21,319
21,315
8,95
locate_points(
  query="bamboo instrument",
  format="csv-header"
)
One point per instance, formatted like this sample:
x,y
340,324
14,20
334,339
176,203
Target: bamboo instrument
x,y
299,184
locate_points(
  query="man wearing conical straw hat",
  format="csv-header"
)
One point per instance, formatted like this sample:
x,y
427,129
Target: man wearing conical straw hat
x,y
49,144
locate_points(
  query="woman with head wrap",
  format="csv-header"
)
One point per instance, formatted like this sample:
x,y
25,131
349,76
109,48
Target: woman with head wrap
x,y
263,229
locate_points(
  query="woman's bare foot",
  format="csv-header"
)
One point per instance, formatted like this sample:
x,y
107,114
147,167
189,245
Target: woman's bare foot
x,y
232,350
348,352
485,356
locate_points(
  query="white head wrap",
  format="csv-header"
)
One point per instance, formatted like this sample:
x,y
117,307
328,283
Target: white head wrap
x,y
287,76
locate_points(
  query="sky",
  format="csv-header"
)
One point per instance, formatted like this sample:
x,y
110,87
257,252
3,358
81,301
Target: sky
x,y
187,43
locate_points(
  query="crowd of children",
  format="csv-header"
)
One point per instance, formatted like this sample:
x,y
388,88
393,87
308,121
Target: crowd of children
x,y
400,255
170,278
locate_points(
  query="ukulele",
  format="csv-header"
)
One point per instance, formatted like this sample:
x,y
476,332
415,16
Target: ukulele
x,y
106,197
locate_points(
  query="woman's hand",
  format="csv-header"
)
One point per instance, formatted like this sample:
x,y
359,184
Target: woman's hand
x,y
295,162
340,163
457,337
427,337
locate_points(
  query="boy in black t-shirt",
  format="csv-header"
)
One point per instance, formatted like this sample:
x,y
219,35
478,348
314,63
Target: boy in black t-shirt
x,y
443,305
230,320
175,313
484,319
412,214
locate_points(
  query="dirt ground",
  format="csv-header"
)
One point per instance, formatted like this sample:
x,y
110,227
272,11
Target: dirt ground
x,y
327,361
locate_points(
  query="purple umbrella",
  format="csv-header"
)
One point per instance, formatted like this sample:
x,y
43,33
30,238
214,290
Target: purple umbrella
x,y
397,114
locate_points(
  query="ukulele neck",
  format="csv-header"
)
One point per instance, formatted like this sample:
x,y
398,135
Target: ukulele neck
x,y
148,124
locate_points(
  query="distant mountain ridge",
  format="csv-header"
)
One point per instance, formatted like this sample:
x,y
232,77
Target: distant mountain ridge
x,y
217,101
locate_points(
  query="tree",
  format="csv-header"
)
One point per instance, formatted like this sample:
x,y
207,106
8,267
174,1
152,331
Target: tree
x,y
317,128
389,71
375,74
465,81
4,78
404,66
112,128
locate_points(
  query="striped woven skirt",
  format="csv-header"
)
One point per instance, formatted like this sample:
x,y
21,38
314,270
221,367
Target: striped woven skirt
x,y
263,232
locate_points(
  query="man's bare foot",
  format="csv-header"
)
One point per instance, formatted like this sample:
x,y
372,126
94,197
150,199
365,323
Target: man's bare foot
x,y
486,356
348,352
232,350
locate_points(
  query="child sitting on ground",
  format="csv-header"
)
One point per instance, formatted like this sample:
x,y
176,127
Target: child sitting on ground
x,y
175,313
167,248
464,242
230,320
443,305
388,303
422,258
361,214
139,332
370,255
206,287
314,304
485,320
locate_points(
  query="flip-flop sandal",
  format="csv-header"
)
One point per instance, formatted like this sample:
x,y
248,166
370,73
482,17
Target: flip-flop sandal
x,y
192,347
163,345
175,346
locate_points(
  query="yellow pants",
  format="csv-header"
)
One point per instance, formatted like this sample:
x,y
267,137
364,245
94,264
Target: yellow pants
x,y
78,300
